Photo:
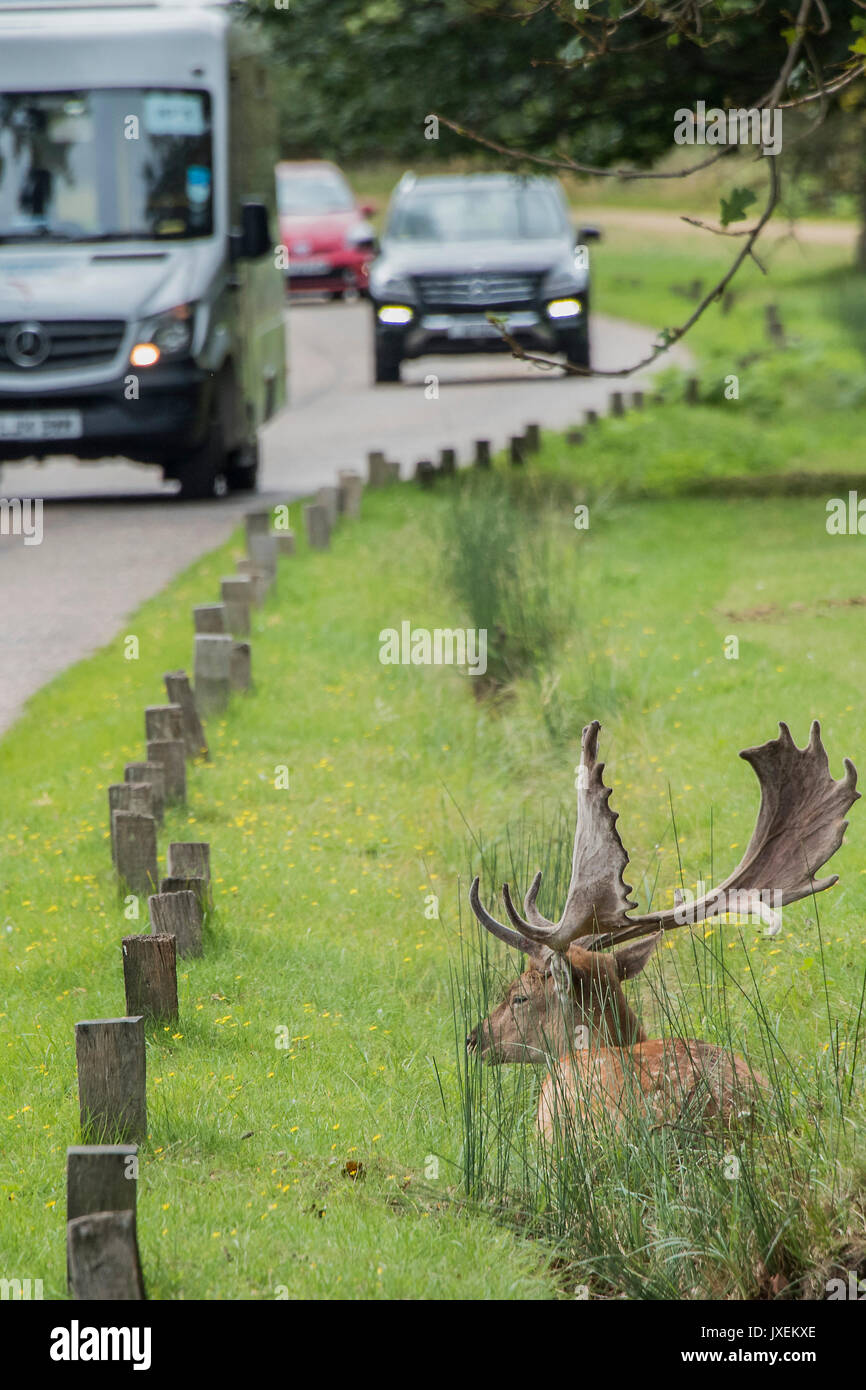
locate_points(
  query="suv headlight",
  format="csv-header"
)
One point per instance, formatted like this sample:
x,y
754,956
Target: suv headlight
x,y
168,334
393,288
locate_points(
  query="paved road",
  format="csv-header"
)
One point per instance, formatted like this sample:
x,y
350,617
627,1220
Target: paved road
x,y
113,537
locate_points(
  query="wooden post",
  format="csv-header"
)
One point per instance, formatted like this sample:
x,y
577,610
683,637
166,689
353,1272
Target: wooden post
x,y
178,915
237,594
285,541
775,328
316,523
112,1098
153,775
262,551
258,522
392,471
376,468
350,490
163,721
591,417
692,391
210,617
188,884
517,450
482,453
135,850
533,438
102,1258
574,436
241,666
128,796
448,462
261,581
150,976
188,859
329,498
171,753
101,1177
212,660
637,400
180,693
617,403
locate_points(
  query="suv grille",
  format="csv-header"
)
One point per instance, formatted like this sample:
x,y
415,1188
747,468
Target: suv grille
x,y
28,345
481,291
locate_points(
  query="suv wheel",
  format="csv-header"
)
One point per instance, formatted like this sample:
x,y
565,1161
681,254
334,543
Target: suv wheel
x,y
575,344
388,359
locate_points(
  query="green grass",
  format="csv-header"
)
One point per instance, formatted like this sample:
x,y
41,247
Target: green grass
x,y
401,786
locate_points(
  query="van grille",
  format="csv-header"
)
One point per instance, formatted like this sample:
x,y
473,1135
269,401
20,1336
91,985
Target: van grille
x,y
58,343
481,291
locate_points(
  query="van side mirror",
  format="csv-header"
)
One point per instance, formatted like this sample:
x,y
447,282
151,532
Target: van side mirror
x,y
588,234
254,238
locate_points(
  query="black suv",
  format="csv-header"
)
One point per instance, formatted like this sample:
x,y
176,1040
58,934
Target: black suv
x,y
459,248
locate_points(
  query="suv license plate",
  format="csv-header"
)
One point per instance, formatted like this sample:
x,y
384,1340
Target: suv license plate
x,y
41,424
473,329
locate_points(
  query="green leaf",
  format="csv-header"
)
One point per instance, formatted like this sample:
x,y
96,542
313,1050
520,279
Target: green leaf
x,y
735,207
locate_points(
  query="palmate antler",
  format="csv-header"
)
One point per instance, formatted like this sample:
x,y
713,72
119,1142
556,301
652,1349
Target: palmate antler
x,y
800,826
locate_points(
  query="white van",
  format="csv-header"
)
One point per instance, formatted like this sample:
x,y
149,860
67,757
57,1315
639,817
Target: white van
x,y
141,302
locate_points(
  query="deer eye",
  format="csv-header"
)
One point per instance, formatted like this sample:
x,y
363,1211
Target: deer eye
x,y
520,999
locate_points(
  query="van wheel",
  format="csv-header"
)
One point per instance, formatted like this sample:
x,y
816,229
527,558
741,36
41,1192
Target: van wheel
x,y
242,473
203,473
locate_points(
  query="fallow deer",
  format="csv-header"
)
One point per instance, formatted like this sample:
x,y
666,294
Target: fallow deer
x,y
572,989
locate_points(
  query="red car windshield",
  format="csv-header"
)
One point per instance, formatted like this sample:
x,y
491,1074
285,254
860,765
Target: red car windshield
x,y
304,195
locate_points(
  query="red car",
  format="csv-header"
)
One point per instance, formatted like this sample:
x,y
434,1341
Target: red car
x,y
326,232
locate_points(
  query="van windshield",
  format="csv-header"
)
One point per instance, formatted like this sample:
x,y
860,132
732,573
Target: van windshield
x,y
104,165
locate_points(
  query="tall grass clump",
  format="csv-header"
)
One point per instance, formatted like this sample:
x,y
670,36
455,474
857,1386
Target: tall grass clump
x,y
687,1208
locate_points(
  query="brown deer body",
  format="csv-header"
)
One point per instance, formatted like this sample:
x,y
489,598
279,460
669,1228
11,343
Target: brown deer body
x,y
568,1009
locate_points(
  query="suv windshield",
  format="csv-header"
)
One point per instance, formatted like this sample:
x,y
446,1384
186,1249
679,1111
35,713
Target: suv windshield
x,y
301,195
516,212
106,164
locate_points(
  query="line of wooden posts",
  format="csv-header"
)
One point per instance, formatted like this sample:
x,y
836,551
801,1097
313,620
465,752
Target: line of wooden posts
x,y
102,1249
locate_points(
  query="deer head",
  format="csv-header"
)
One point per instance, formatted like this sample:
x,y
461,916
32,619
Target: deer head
x,y
570,982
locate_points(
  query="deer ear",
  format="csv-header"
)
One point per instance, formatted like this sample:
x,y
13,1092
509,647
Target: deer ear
x,y
631,960
560,970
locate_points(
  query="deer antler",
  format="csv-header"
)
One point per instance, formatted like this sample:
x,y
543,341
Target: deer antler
x,y
800,826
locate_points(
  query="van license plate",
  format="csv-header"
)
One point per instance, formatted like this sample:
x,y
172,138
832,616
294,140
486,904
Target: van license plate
x,y
41,424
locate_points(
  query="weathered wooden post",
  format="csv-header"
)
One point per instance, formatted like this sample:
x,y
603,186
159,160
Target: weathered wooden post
x,y
262,552
101,1177
316,523
102,1258
775,328
128,796
392,471
112,1098
574,436
533,438
241,666
135,849
178,915
591,417
329,498
517,450
210,617
448,462
482,453
179,691
350,488
425,473
376,468
188,858
150,976
692,392
171,753
212,671
617,403
285,542
163,721
187,884
237,595
153,775
259,579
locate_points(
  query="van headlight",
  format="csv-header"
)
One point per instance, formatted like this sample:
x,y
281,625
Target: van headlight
x,y
164,335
